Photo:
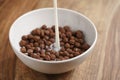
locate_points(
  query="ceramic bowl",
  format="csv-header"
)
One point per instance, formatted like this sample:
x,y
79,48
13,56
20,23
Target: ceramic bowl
x,y
36,18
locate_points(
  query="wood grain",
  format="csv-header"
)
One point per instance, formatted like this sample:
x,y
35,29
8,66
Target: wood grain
x,y
102,64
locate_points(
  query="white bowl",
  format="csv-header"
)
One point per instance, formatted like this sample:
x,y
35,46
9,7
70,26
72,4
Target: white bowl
x,y
33,19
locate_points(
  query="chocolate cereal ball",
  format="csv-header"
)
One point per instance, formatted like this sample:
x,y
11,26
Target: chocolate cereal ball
x,y
39,43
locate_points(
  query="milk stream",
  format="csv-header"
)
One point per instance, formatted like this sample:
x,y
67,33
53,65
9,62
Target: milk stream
x,y
57,40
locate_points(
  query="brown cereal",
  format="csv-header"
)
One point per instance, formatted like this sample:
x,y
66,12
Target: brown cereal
x,y
31,44
67,45
29,51
42,55
65,53
67,28
72,41
81,41
42,33
36,50
71,55
52,56
30,36
65,39
36,44
62,30
62,49
37,31
77,44
62,43
69,50
31,41
35,55
71,46
33,32
79,34
39,43
36,38
53,28
52,40
52,34
66,57
22,43
61,57
42,46
23,50
68,34
62,35
28,46
43,27
46,37
47,32
76,53
48,43
72,37
85,46
47,57
24,37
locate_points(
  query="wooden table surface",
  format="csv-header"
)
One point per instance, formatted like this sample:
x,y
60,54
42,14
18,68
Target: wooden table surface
x,y
102,64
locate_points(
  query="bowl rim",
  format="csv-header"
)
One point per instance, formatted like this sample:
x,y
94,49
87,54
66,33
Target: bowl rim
x,y
62,61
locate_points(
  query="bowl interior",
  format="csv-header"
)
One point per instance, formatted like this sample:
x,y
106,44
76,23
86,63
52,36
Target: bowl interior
x,y
36,18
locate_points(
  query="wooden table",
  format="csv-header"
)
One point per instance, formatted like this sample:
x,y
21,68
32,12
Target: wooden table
x,y
102,64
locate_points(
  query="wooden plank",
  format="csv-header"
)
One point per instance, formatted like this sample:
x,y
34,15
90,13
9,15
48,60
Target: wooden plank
x,y
102,64
9,11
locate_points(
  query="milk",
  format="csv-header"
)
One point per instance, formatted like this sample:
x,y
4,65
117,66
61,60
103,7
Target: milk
x,y
57,40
